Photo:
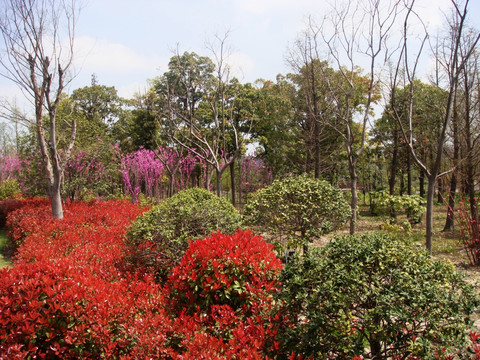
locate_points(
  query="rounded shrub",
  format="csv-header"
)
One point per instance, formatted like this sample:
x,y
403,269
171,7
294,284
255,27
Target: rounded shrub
x,y
297,209
375,296
237,270
160,236
226,284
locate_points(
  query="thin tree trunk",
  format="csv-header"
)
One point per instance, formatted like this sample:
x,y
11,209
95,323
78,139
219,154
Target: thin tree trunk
x,y
439,191
409,175
219,174
233,183
393,168
354,202
450,220
429,215
422,183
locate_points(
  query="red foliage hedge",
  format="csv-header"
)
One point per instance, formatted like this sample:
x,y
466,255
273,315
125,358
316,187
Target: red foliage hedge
x,y
91,233
70,294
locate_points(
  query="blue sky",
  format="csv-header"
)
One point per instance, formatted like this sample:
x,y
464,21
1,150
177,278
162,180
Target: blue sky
x,y
126,42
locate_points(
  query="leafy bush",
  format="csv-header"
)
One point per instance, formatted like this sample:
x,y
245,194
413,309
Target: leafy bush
x,y
412,205
297,209
91,233
226,283
9,189
68,298
236,270
161,235
375,296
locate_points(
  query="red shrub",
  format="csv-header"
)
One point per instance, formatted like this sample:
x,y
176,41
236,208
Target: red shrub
x,y
54,310
69,295
226,284
10,205
236,270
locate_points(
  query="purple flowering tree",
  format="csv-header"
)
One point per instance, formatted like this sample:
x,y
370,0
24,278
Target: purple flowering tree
x,y
254,174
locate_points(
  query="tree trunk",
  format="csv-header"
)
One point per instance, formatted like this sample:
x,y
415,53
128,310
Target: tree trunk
x,y
409,175
422,184
56,203
219,174
233,184
439,191
429,215
393,167
354,202
450,220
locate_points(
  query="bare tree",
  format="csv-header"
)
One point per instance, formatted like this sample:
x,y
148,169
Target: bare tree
x,y
352,34
453,62
38,37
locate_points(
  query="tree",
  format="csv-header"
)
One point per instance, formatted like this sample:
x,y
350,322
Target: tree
x,y
453,62
346,34
38,41
277,131
199,109
99,108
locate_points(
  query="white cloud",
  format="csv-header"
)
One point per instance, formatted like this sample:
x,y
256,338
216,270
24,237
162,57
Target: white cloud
x,y
129,90
101,55
241,65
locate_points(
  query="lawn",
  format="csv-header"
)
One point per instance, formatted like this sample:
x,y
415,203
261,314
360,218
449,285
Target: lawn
x,y
3,241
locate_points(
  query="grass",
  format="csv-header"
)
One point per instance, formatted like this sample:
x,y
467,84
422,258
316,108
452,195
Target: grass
x,y
3,241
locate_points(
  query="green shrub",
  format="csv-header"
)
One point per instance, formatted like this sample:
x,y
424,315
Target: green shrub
x,y
161,235
412,205
9,189
297,209
375,296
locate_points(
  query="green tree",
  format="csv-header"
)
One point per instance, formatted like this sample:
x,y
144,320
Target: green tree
x,y
98,107
276,131
197,109
454,60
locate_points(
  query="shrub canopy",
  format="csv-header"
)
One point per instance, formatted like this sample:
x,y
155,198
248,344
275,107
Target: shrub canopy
x,y
297,209
161,235
376,296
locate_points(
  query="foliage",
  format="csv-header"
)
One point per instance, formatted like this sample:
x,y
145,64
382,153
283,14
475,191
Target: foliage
x,y
151,171
55,310
9,189
9,167
64,304
238,270
376,296
228,280
254,174
90,234
161,235
412,205
93,174
297,209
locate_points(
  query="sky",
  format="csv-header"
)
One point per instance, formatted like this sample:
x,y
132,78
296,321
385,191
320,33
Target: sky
x,y
126,42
